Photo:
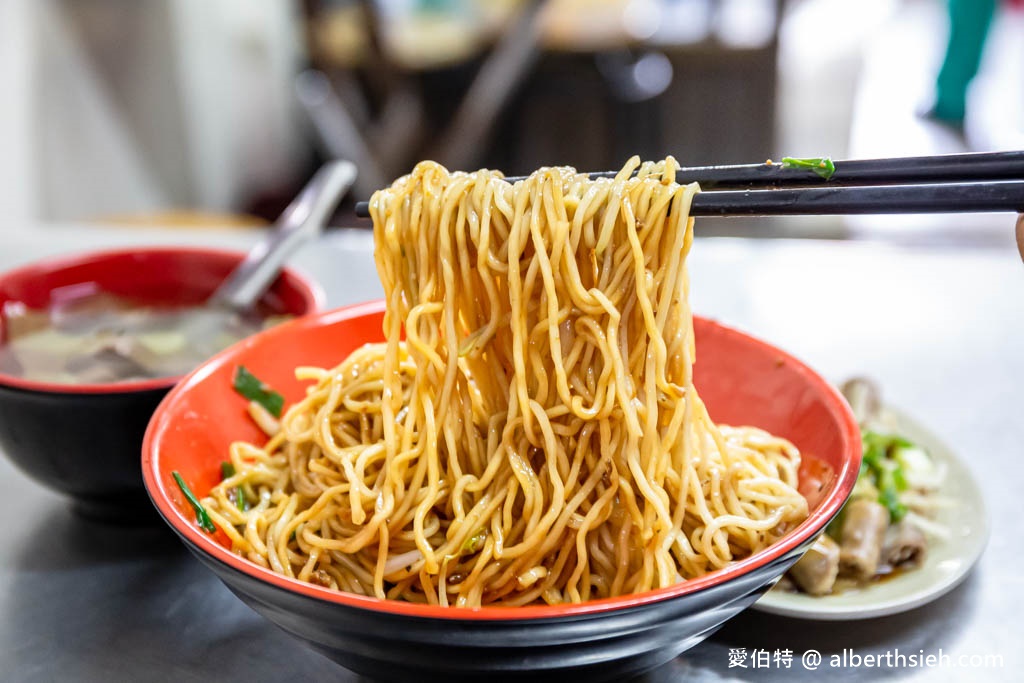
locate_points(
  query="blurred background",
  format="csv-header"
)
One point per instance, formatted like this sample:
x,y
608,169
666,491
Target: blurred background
x,y
215,112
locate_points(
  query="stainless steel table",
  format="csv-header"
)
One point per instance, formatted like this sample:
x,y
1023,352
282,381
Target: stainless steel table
x,y
942,329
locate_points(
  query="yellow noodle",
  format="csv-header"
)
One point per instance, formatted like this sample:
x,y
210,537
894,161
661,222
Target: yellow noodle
x,y
536,436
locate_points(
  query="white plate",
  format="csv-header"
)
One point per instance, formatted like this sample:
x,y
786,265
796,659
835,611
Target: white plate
x,y
945,566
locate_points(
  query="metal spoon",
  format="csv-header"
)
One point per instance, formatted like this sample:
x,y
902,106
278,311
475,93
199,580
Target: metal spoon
x,y
304,218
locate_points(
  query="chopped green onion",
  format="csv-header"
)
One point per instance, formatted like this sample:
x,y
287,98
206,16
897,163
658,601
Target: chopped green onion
x,y
919,471
202,517
237,496
889,498
823,166
899,479
474,543
254,389
885,471
227,469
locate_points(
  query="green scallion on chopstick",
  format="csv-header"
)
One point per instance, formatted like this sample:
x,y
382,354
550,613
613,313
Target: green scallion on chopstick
x,y
202,517
823,166
255,389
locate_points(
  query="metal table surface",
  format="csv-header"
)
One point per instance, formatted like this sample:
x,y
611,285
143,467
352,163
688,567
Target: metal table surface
x,y
942,329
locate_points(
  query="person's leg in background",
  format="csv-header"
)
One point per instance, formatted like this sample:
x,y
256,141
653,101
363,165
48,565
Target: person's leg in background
x,y
969,22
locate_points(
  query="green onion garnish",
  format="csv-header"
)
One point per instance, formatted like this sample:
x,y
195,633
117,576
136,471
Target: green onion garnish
x,y
237,496
254,389
823,166
474,542
202,517
227,469
884,470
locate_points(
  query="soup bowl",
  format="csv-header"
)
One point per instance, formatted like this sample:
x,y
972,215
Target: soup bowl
x,y
83,440
742,380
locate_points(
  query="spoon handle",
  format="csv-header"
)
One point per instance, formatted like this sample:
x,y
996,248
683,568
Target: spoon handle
x,y
303,219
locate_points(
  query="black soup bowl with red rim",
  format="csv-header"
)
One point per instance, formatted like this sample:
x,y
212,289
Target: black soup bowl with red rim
x,y
742,381
83,439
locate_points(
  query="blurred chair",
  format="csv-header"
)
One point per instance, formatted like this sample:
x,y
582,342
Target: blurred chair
x,y
586,82
692,78
339,105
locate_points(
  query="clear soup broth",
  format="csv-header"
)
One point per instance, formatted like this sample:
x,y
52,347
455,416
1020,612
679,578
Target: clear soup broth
x,y
91,337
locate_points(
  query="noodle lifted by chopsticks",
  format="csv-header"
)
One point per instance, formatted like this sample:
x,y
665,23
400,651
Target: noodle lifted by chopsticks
x,y
536,436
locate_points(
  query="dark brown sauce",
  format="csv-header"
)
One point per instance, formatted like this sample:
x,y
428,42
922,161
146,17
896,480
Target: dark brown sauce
x,y
884,575
850,586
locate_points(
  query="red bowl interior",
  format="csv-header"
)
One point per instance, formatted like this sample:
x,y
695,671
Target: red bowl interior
x,y
741,379
171,276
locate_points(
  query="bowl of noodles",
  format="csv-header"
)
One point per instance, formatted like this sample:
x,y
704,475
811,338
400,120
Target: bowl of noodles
x,y
531,459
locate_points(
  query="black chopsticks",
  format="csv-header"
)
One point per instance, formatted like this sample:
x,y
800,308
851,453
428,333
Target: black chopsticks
x,y
953,183
1007,195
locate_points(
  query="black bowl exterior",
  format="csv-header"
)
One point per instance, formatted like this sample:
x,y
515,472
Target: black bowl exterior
x,y
606,646
82,445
